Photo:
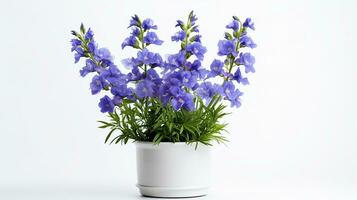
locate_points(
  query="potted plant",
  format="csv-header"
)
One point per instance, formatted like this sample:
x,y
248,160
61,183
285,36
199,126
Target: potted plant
x,y
171,108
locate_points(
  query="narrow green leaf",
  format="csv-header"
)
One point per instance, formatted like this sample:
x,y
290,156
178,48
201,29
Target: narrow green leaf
x,y
83,30
109,134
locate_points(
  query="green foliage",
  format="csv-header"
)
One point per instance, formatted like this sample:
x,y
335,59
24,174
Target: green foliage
x,y
149,120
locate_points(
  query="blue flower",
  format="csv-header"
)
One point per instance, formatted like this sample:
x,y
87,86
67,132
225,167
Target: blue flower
x,y
148,58
232,94
149,24
164,93
180,24
156,61
145,56
207,90
233,25
106,105
227,75
184,100
121,90
193,18
179,36
204,90
79,54
175,90
227,47
174,79
144,89
92,46
177,60
151,38
135,32
152,75
89,35
246,41
97,84
196,38
188,79
229,89
103,55
236,100
247,60
238,77
195,29
196,69
90,67
135,74
112,71
130,62
114,76
249,23
134,21
177,103
196,49
216,68
75,43
201,73
193,66
195,86
117,100
130,41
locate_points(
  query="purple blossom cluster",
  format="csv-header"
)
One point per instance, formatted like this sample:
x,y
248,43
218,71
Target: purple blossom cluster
x,y
176,81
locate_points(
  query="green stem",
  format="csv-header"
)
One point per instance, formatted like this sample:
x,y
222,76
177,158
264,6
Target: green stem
x,y
141,38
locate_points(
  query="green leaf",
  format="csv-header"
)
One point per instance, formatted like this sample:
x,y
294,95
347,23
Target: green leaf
x,y
75,33
109,134
157,139
105,124
181,129
228,35
83,30
127,101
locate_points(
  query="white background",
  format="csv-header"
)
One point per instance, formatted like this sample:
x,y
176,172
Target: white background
x,y
293,138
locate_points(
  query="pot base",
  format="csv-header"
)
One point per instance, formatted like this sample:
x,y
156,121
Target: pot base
x,y
172,192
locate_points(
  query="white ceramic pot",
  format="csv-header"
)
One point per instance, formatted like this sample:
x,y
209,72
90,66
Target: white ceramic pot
x,y
173,169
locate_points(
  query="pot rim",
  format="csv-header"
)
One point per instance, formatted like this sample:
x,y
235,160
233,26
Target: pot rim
x,y
164,143
140,144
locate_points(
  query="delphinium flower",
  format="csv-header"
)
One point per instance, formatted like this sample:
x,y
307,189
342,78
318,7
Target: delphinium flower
x,y
143,67
227,48
145,57
144,88
183,69
107,75
247,60
246,41
232,48
216,68
208,90
100,61
106,104
151,38
98,83
231,93
248,23
179,36
238,77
